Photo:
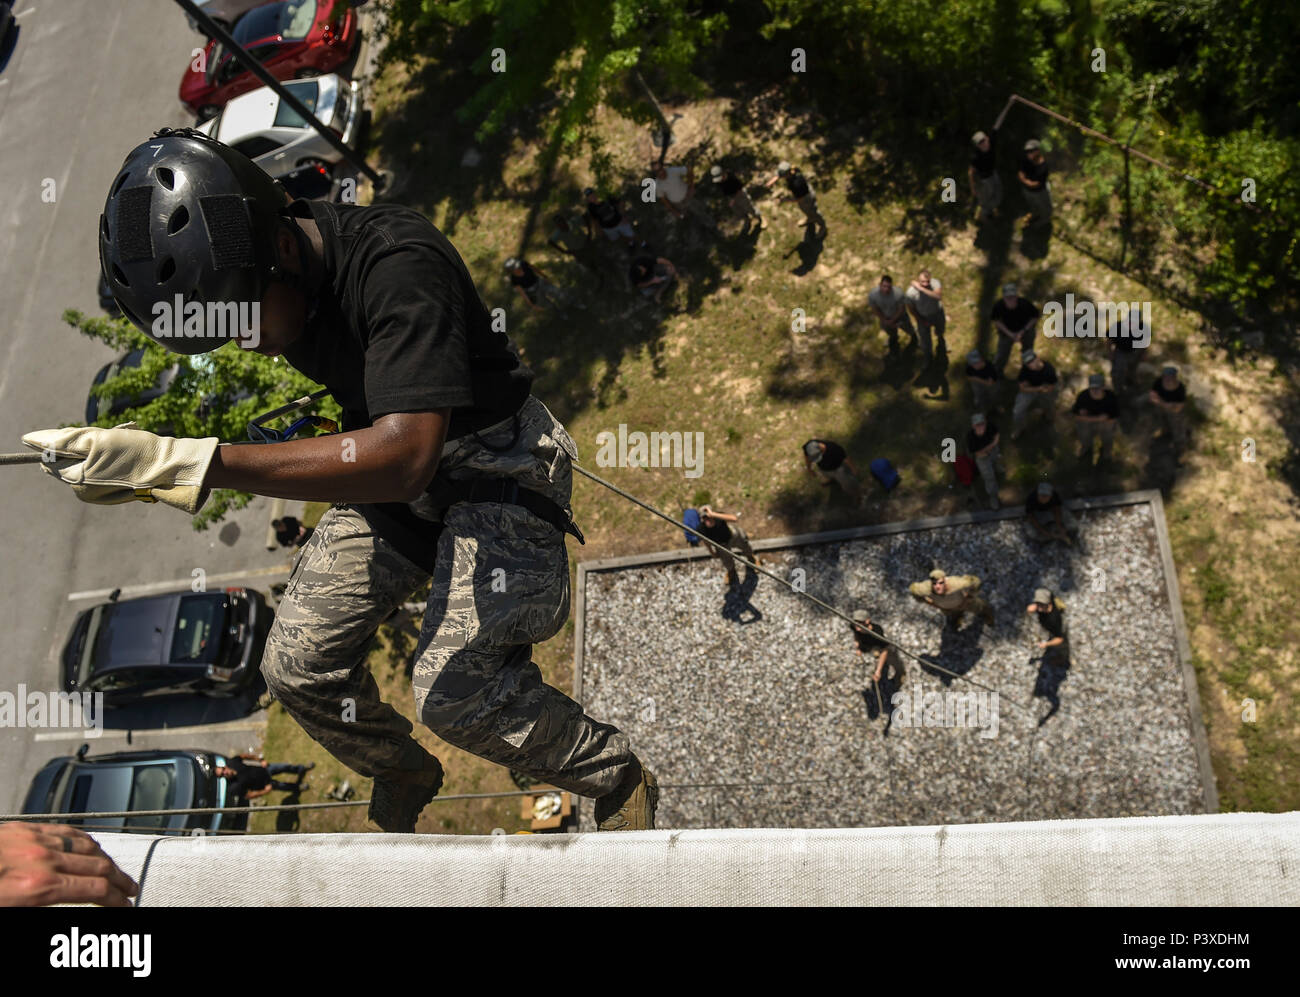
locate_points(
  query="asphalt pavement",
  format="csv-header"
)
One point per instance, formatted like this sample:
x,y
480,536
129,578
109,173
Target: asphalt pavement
x,y
85,81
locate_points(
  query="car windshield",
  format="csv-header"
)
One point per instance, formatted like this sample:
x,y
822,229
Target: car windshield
x,y
111,788
291,21
306,91
199,622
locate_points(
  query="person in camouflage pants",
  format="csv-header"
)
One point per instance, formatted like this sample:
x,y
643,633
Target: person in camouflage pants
x,y
500,585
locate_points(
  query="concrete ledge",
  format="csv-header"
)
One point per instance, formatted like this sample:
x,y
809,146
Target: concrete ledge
x,y
1194,861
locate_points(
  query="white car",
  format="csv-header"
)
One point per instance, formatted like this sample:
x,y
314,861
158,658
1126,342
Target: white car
x,y
274,136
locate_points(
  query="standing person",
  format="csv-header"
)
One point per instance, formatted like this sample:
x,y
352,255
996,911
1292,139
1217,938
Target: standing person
x,y
1014,320
887,676
1047,518
446,463
1050,613
608,217
1123,355
1037,381
252,777
801,192
651,275
677,185
890,305
533,285
828,461
1033,182
983,380
1096,413
721,529
738,199
925,303
954,596
1169,396
569,235
985,184
982,445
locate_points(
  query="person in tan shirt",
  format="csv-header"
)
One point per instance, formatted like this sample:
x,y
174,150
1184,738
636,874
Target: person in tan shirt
x,y
953,595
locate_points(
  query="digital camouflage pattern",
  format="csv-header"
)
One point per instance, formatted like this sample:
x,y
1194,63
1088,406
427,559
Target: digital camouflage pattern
x,y
501,584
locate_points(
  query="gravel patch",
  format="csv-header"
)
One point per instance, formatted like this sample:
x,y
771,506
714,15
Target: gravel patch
x,y
754,710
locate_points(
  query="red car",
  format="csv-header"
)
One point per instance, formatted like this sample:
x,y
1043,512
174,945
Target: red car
x,y
292,39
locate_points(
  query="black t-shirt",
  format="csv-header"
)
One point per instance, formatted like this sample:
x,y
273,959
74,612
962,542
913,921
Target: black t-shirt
x,y
643,268
796,182
985,162
1037,378
400,327
288,531
1179,394
605,212
527,279
1033,505
1034,171
974,442
247,777
870,639
1016,318
1085,404
719,532
1053,622
831,458
731,185
985,373
1126,343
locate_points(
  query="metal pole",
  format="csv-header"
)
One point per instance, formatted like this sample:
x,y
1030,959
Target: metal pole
x,y
213,30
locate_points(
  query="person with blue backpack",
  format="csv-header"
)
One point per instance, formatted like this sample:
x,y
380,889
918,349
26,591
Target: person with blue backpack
x,y
721,529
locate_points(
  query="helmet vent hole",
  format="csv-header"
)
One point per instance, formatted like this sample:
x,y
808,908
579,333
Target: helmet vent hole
x,y
166,177
167,271
179,219
119,276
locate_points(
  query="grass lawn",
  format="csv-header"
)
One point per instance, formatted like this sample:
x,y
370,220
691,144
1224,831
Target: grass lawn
x,y
767,342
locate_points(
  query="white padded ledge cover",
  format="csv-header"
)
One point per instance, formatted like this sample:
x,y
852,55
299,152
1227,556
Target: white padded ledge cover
x,y
1211,859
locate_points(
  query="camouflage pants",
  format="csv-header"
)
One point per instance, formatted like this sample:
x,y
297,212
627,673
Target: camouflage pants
x,y
739,541
501,584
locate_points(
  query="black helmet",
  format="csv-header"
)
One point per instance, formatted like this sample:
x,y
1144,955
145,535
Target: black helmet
x,y
189,216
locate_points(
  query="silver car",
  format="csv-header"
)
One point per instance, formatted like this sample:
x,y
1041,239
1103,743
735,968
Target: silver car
x,y
274,136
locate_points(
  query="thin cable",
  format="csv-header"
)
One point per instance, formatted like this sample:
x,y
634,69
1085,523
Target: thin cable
x,y
777,578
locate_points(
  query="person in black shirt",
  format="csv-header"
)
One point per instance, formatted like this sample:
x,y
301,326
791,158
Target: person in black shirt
x,y
1014,320
652,275
738,199
607,216
888,673
983,380
447,470
985,184
721,529
289,532
982,445
1050,613
250,776
829,462
1169,396
1037,380
534,286
801,192
1096,413
1047,518
1123,346
1033,182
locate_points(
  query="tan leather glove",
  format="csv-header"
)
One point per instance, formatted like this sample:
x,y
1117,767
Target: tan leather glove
x,y
111,466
